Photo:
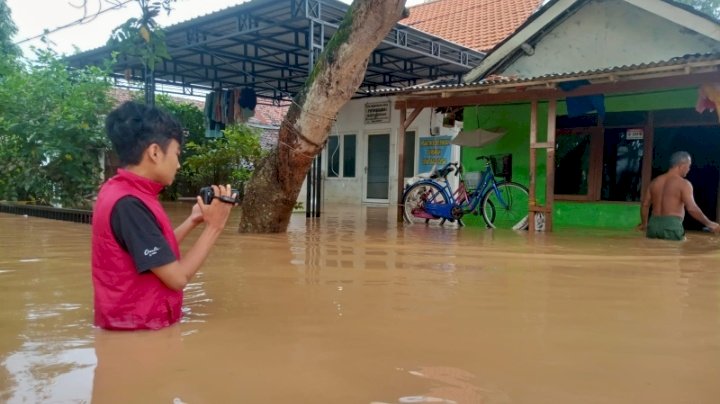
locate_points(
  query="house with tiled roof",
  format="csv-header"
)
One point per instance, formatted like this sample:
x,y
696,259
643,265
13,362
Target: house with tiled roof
x,y
360,161
477,24
594,96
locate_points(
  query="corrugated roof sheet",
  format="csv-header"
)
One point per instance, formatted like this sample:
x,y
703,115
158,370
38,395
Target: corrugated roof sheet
x,y
477,24
495,81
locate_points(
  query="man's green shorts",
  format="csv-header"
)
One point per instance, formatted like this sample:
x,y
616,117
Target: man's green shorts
x,y
666,228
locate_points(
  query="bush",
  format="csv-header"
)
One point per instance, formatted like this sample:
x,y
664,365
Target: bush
x,y
228,159
52,131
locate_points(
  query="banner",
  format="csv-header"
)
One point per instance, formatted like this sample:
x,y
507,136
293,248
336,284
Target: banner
x,y
435,151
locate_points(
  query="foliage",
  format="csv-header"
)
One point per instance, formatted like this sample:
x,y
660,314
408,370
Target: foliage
x,y
710,7
52,131
142,37
188,114
8,50
228,159
193,120
7,30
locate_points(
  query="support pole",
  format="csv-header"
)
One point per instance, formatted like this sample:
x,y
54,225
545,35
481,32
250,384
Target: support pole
x,y
149,87
318,185
533,166
405,122
401,162
550,165
309,191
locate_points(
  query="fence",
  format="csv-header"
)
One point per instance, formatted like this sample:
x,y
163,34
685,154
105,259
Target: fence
x,y
48,212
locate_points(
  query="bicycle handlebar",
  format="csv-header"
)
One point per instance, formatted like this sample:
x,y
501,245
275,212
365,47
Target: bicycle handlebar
x,y
447,169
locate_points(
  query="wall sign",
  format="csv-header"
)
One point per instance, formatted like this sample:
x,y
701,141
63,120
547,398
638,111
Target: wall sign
x,y
377,112
435,151
634,134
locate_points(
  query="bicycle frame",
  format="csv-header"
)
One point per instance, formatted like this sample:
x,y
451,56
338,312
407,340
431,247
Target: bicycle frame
x,y
460,198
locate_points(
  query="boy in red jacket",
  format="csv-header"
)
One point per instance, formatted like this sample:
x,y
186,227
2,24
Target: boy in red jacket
x,y
138,274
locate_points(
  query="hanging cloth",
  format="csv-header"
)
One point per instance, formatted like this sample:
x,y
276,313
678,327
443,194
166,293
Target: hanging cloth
x,y
578,106
248,98
708,98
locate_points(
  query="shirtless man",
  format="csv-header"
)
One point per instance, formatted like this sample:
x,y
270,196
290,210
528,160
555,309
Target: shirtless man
x,y
670,195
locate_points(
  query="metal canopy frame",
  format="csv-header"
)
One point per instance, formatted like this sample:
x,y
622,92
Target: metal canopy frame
x,y
271,46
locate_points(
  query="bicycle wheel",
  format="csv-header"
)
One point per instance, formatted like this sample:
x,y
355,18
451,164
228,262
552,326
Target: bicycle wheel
x,y
489,210
509,206
416,197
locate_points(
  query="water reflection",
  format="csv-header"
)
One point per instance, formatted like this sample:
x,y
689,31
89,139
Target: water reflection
x,y
352,308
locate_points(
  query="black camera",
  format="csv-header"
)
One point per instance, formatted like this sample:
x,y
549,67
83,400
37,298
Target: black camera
x,y
207,194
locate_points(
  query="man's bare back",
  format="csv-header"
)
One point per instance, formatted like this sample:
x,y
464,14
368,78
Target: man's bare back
x,y
666,195
670,195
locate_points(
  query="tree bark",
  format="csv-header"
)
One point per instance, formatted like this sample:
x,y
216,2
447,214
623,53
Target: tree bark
x,y
272,191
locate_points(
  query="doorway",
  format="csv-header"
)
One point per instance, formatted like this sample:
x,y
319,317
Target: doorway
x,y
377,169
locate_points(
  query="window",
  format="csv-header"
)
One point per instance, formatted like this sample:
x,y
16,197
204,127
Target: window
x,y
341,149
600,163
409,154
349,156
572,162
333,148
622,165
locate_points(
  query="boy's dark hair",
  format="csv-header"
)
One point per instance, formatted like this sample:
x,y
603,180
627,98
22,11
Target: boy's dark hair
x,y
132,127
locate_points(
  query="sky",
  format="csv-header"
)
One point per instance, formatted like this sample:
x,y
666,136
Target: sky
x,y
32,17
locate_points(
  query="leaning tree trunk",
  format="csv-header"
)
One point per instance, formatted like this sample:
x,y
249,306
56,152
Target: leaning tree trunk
x,y
273,189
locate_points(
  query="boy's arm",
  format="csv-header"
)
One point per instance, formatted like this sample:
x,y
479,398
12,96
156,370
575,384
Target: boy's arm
x,y
177,274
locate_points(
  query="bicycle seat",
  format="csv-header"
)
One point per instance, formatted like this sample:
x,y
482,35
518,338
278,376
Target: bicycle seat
x,y
429,174
443,172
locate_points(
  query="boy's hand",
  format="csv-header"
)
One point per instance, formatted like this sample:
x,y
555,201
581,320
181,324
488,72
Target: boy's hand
x,y
216,214
196,215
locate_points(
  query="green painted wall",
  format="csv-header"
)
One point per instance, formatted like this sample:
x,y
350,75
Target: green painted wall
x,y
516,119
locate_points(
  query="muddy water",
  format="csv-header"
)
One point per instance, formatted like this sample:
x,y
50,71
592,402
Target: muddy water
x,y
353,309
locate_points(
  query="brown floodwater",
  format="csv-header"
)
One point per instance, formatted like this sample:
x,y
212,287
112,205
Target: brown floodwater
x,y
351,308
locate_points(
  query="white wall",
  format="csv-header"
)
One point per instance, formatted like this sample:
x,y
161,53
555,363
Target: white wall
x,y
351,120
609,33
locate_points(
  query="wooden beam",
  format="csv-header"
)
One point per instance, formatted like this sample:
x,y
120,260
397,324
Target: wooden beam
x,y
533,166
550,165
405,122
520,95
648,141
412,117
401,161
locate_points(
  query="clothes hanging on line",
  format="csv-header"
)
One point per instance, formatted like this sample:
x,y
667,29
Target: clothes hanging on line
x,y
225,107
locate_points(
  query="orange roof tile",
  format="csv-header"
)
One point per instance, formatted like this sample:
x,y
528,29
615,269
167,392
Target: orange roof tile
x,y
476,24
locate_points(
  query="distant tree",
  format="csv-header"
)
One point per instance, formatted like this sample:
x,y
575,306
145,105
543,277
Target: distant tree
x,y
710,7
51,131
9,52
143,38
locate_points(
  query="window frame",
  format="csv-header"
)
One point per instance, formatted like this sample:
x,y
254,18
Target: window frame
x,y
341,158
594,185
597,154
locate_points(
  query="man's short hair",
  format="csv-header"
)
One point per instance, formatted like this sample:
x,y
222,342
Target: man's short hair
x,y
679,157
133,127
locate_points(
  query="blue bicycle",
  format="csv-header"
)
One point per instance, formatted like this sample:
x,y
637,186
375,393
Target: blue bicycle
x,y
503,204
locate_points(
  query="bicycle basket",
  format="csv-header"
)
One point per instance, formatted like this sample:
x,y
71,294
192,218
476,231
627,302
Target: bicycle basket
x,y
472,178
502,166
